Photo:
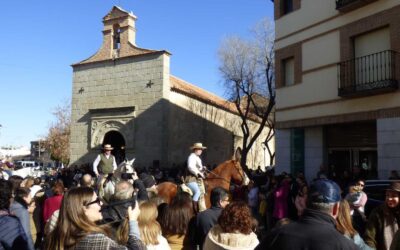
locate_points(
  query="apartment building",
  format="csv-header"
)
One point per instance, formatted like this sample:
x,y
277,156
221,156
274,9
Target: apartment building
x,y
337,72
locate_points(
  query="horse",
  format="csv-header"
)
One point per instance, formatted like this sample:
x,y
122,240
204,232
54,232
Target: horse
x,y
107,183
28,171
221,176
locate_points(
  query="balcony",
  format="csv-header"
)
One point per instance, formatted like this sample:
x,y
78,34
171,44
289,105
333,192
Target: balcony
x,y
349,5
368,75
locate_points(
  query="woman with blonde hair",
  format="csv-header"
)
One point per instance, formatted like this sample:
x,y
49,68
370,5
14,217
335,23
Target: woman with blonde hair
x,y
150,229
76,226
345,227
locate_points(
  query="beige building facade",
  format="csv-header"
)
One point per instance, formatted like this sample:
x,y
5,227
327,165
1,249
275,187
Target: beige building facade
x,y
125,96
337,72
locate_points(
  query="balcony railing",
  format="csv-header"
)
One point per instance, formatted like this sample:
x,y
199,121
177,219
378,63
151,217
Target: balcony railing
x,y
348,5
368,75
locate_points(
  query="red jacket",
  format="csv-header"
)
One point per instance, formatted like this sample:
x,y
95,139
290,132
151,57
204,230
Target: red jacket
x,y
51,204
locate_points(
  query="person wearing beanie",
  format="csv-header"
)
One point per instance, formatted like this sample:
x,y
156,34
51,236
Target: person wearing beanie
x,y
315,230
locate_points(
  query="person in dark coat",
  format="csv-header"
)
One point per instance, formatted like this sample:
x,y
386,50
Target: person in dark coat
x,y
20,208
12,234
116,211
205,220
315,230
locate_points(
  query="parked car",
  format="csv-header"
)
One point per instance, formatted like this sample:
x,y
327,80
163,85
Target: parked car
x,y
376,192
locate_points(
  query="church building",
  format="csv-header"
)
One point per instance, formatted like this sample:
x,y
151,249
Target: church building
x,y
125,96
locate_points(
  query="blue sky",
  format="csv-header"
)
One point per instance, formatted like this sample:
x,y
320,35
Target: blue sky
x,y
41,39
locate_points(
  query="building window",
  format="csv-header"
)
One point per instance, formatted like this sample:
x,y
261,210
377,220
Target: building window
x,y
372,68
287,6
283,7
288,71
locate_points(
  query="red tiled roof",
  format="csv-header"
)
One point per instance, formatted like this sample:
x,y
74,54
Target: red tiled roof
x,y
190,90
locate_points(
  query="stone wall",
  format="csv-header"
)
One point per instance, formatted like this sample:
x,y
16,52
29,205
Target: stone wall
x,y
192,120
101,90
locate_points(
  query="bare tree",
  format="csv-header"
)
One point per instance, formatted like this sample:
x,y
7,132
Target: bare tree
x,y
57,139
247,67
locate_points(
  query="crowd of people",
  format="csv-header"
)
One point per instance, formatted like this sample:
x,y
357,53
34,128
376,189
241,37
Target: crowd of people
x,y
272,212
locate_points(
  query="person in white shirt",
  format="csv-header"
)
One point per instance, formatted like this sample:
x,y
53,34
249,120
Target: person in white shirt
x,y
195,170
105,163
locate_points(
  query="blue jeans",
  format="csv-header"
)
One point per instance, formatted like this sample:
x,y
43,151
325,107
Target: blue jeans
x,y
195,189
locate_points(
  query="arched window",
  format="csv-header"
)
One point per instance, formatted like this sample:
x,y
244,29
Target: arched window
x,y
117,37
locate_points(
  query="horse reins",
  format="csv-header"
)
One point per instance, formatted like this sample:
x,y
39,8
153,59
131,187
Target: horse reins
x,y
222,178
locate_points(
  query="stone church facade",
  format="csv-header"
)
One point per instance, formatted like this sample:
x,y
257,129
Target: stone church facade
x,y
125,96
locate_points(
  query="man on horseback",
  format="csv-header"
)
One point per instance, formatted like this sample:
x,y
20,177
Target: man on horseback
x,y
105,163
195,170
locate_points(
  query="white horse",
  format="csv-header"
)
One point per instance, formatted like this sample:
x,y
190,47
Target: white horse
x,y
107,184
28,171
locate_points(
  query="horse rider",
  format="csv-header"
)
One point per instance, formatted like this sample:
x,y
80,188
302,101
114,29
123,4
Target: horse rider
x,y
105,163
195,170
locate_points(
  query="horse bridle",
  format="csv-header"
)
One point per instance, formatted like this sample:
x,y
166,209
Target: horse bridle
x,y
241,173
220,177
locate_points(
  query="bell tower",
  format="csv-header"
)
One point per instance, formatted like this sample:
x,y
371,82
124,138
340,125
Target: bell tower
x,y
119,31
119,37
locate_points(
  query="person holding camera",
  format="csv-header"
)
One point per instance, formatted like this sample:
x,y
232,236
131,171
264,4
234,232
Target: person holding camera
x,y
116,211
77,228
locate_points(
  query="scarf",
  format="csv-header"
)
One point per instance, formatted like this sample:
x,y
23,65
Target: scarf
x,y
390,225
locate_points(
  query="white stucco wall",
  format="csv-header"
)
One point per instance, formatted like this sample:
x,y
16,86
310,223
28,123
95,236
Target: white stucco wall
x,y
320,16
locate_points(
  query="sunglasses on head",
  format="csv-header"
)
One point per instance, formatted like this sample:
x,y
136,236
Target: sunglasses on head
x,y
98,201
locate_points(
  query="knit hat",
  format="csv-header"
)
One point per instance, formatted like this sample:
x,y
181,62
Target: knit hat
x,y
324,191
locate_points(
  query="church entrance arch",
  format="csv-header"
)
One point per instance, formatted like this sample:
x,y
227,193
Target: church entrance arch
x,y
117,141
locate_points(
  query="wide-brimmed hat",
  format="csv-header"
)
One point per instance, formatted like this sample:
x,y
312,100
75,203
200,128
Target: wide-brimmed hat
x,y
197,145
107,147
394,186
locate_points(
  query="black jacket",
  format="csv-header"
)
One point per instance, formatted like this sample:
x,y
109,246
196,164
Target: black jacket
x,y
204,222
115,213
314,231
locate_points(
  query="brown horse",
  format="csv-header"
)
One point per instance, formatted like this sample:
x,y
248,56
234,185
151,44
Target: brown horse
x,y
221,176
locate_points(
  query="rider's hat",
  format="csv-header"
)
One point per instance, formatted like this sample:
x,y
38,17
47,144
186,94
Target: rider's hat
x,y
198,145
394,186
107,147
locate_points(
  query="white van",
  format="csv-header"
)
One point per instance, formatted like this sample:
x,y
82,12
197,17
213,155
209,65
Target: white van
x,y
25,164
